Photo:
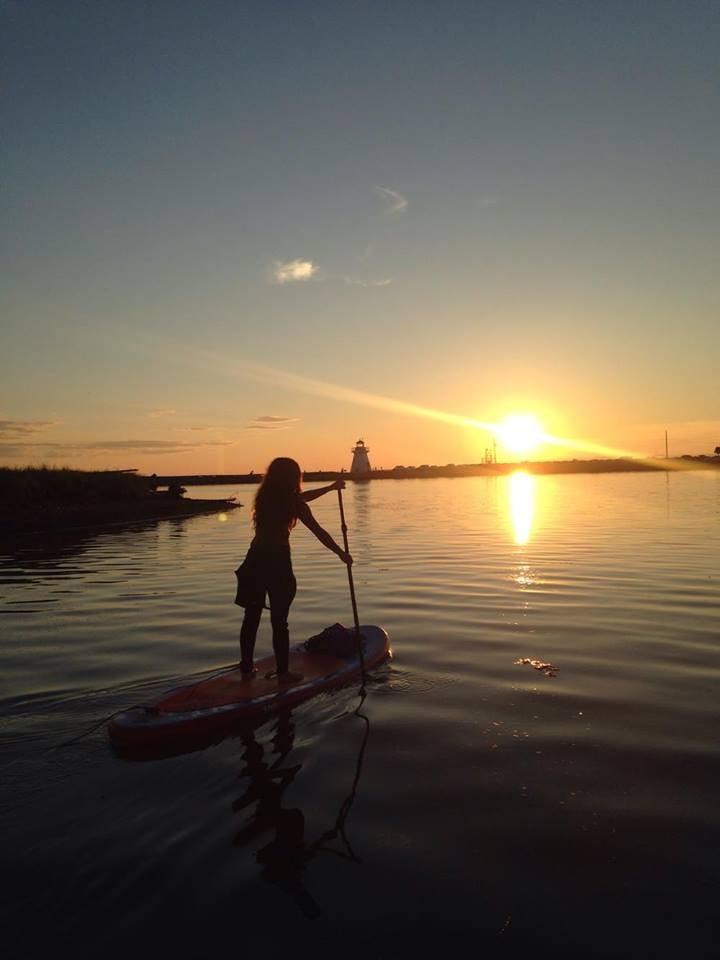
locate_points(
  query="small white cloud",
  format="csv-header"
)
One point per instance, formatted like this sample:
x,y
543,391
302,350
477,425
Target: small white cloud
x,y
294,270
397,202
359,282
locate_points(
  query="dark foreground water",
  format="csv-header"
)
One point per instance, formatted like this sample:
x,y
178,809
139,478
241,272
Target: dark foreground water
x,y
481,808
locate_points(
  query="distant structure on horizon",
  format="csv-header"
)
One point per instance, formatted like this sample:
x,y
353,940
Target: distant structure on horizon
x,y
360,461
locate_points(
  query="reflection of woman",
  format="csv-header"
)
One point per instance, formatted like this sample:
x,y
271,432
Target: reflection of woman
x,y
285,856
267,568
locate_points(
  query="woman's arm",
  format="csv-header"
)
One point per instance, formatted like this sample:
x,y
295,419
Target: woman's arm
x,y
308,495
305,514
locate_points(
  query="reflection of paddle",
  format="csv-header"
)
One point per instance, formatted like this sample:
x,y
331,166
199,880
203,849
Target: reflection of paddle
x,y
339,828
343,526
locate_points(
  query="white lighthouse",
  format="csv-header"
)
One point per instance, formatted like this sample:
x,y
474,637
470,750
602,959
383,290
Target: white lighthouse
x,y
360,462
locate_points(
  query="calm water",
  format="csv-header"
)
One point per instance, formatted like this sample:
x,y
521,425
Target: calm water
x,y
496,809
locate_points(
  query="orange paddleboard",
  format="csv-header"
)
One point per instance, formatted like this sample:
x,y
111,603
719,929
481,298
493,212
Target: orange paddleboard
x,y
211,707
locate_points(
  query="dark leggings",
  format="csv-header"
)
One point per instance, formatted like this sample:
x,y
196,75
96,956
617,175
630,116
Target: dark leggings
x,y
281,593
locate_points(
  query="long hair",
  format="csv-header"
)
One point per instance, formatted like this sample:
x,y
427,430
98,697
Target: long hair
x,y
275,507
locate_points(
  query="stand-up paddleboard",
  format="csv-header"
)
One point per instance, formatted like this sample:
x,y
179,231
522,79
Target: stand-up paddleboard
x,y
211,707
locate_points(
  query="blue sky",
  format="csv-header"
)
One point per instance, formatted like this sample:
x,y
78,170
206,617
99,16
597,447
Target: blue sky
x,y
490,207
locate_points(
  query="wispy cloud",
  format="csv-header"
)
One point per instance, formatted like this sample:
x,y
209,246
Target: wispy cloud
x,y
69,449
397,203
10,451
270,419
23,428
294,270
162,412
359,282
270,423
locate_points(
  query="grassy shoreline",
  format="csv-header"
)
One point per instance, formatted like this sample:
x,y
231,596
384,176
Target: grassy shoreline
x,y
57,498
431,471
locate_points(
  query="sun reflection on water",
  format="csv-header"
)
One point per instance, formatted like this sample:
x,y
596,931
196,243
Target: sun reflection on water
x,y
521,495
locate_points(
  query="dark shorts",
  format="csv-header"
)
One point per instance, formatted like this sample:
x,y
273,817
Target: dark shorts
x,y
267,569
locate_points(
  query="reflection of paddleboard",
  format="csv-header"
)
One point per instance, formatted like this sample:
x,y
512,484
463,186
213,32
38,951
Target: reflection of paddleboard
x,y
211,706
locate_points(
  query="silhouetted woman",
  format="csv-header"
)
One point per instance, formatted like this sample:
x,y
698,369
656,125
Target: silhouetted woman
x,y
267,568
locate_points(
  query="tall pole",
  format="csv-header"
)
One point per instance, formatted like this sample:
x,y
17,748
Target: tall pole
x,y
343,527
667,456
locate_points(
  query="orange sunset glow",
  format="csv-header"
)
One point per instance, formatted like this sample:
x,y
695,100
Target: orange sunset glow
x,y
360,478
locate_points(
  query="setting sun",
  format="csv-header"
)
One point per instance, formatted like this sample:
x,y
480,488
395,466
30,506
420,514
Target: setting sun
x,y
520,432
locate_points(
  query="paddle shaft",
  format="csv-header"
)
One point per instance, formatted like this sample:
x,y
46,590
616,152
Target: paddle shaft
x,y
343,527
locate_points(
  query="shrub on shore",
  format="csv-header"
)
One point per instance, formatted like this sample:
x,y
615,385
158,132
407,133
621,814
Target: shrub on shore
x,y
35,486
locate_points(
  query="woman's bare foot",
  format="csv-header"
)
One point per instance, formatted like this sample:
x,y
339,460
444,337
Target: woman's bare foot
x,y
285,678
248,674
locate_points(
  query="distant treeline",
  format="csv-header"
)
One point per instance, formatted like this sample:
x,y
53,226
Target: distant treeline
x,y
464,470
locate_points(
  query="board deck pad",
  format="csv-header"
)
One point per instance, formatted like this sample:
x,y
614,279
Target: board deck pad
x,y
232,687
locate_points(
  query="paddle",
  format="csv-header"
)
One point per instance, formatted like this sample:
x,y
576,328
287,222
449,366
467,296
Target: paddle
x,y
343,527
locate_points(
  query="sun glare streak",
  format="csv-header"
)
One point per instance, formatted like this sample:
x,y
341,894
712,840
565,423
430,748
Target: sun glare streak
x,y
362,398
520,432
334,391
521,495
217,362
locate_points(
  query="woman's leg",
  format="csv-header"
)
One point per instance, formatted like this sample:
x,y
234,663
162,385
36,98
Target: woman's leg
x,y
281,595
248,633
